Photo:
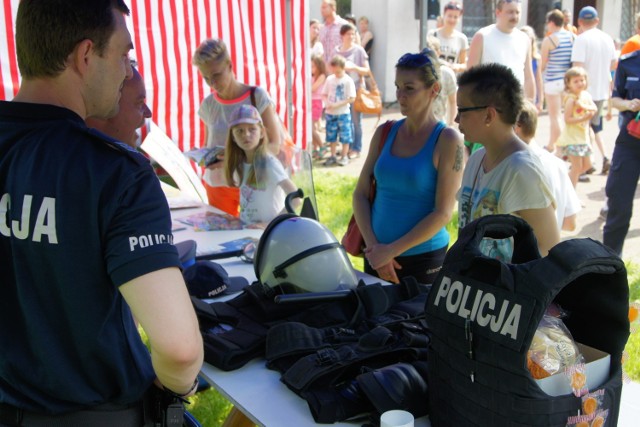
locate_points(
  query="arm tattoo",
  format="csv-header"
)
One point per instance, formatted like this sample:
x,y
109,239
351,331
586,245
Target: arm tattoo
x,y
457,164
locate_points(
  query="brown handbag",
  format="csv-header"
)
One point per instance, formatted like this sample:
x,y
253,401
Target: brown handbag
x,y
352,241
368,101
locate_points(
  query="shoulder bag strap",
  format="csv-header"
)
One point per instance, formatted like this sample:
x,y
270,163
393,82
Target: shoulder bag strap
x,y
253,96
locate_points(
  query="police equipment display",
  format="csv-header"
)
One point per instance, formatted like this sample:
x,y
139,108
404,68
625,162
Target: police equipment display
x,y
483,314
298,254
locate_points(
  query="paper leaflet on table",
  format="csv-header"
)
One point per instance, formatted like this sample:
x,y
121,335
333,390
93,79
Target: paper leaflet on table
x,y
210,221
164,151
204,156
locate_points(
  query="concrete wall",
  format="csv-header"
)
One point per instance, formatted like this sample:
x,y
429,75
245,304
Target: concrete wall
x,y
395,31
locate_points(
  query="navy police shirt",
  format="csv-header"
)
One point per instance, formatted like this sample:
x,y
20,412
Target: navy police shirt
x,y
627,85
80,215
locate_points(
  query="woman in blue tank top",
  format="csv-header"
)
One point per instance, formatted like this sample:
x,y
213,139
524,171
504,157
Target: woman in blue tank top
x,y
417,169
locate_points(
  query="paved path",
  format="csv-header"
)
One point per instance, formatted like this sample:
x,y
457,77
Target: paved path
x,y
591,194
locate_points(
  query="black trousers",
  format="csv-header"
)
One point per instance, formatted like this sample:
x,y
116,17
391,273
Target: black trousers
x,y
621,189
424,267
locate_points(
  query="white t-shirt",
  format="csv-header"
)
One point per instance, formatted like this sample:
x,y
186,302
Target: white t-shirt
x,y
449,87
516,183
557,173
263,202
215,112
339,89
596,50
508,49
450,47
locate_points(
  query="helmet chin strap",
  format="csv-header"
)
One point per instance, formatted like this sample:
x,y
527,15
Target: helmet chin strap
x,y
279,272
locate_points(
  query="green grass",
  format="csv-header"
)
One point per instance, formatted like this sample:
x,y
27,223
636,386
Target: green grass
x,y
333,195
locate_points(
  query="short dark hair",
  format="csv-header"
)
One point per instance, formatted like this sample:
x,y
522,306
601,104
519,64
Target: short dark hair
x,y
346,27
495,85
557,17
47,31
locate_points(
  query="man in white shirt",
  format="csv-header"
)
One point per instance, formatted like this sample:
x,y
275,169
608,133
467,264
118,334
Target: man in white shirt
x,y
500,43
594,51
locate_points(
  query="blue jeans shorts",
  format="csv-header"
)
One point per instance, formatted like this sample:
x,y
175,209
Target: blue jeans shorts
x,y
339,126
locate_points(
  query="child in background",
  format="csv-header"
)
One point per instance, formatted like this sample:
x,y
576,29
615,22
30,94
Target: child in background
x,y
536,58
339,92
318,77
445,106
554,168
261,177
578,110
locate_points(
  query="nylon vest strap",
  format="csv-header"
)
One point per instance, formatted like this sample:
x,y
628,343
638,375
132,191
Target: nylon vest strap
x,y
483,314
234,332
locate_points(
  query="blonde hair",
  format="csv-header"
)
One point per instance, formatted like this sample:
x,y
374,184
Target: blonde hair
x,y
531,33
574,72
338,61
318,61
210,50
234,157
528,119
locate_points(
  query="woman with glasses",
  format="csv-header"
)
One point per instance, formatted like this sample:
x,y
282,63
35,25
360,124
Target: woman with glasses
x,y
453,43
504,177
214,64
417,168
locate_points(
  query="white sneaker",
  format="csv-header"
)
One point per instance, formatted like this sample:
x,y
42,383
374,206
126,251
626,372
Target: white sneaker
x,y
344,161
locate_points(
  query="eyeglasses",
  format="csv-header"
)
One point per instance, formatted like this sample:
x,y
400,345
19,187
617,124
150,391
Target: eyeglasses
x,y
464,110
417,60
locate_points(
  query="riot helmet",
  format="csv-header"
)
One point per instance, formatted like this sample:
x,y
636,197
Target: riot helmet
x,y
297,255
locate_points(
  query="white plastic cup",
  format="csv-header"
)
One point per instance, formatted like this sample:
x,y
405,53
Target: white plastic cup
x,y
396,418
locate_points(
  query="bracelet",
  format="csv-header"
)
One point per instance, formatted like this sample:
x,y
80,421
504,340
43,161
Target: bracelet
x,y
182,396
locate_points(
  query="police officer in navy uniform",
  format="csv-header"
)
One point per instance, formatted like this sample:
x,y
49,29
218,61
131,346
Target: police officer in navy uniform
x,y
85,235
625,163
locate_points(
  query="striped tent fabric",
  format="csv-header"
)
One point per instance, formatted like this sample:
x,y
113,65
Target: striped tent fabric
x,y
167,32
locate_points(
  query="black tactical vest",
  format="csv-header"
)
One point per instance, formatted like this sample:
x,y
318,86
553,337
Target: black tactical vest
x,y
483,314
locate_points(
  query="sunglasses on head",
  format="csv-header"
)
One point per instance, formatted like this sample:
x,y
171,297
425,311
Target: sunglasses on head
x,y
453,6
416,60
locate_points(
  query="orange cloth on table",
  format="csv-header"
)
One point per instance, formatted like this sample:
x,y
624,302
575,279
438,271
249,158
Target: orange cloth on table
x,y
226,199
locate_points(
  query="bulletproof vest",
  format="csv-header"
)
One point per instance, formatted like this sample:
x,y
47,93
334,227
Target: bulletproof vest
x,y
235,331
342,373
483,314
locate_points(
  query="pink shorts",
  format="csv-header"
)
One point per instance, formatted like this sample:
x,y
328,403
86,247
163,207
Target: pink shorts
x,y
316,109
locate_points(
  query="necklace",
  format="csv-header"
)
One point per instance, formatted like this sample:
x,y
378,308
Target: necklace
x,y
473,189
498,158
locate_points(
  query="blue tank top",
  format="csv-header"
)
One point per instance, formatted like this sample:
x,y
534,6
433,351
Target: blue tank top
x,y
560,57
406,193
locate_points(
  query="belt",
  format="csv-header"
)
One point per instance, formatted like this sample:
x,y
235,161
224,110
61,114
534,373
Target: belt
x,y
105,415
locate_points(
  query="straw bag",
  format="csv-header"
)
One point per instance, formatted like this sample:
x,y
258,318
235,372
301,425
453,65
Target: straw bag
x,y
368,101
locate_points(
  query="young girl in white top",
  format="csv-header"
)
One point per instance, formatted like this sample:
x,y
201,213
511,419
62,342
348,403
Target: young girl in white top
x,y
261,177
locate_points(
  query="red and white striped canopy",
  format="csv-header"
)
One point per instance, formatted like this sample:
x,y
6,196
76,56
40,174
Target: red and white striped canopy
x,y
166,33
